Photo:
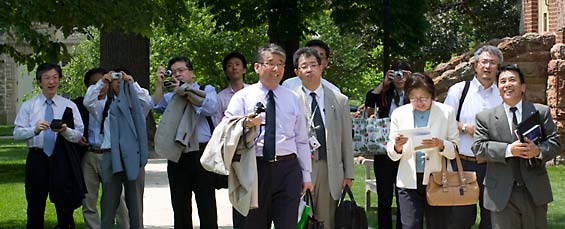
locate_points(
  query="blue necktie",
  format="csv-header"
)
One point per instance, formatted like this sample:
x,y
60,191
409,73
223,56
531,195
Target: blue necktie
x,y
319,127
270,128
49,136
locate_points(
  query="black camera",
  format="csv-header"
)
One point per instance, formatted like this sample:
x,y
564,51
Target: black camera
x,y
398,75
56,124
259,108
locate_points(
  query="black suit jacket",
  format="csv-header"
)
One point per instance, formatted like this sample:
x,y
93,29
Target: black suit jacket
x,y
67,185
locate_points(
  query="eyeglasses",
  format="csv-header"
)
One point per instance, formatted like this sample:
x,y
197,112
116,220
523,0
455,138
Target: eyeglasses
x,y
306,67
48,78
272,66
179,70
421,99
484,63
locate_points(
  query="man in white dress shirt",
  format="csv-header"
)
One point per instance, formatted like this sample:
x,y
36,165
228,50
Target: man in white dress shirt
x,y
324,51
482,94
33,124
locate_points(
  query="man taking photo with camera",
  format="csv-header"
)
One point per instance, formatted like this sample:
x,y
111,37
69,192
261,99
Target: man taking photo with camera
x,y
188,109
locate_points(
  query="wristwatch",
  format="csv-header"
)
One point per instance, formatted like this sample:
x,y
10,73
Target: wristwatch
x,y
463,128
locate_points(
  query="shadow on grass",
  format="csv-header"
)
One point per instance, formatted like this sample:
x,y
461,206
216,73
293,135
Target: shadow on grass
x,y
12,173
21,223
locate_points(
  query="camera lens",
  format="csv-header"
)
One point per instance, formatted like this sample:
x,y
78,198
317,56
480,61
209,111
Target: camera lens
x,y
398,75
168,72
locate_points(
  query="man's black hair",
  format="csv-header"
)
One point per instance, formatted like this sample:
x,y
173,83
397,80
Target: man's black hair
x,y
42,68
514,68
319,43
91,73
181,58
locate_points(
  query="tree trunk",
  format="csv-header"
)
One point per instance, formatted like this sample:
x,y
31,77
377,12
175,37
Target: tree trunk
x,y
129,51
284,20
386,36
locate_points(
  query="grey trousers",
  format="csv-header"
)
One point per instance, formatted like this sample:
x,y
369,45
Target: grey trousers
x,y
521,212
112,184
325,205
92,178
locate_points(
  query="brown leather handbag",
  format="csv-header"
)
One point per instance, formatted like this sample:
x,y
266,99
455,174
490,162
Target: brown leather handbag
x,y
452,188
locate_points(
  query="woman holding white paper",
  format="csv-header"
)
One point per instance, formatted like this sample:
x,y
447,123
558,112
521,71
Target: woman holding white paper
x,y
419,159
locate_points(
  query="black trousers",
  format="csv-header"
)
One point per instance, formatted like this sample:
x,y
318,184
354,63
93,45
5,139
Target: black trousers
x,y
465,216
189,176
414,208
280,184
385,174
37,178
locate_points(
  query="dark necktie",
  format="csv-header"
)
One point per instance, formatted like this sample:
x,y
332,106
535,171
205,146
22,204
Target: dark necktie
x,y
270,128
49,136
515,161
514,122
319,127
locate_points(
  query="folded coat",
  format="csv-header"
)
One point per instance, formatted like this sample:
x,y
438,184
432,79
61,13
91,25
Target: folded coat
x,y
230,138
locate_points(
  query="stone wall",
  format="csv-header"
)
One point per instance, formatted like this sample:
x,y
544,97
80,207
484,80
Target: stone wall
x,y
8,90
543,64
531,52
556,88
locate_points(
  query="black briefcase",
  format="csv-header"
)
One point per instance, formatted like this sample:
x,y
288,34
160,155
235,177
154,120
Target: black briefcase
x,y
348,215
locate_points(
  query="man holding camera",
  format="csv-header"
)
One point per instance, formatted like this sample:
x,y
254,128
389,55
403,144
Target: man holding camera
x,y
124,143
197,105
39,122
91,142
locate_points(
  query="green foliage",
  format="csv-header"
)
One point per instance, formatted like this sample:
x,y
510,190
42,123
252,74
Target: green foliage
x,y
25,22
365,18
206,46
459,25
84,56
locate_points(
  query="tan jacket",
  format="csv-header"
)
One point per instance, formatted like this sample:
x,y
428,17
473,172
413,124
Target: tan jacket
x,y
176,132
229,138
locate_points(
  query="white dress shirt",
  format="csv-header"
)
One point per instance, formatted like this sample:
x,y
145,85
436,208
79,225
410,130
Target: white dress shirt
x,y
224,98
478,99
320,99
33,111
92,104
291,133
509,116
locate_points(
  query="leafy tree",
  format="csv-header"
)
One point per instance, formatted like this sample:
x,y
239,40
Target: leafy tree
x,y
459,25
285,19
25,22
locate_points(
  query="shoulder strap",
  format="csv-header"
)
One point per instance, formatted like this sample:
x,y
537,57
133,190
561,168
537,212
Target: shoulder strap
x,y
208,118
109,98
462,98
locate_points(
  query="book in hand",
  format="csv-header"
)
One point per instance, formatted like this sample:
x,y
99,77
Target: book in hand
x,y
530,128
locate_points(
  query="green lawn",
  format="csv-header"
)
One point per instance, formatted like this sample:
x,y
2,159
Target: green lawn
x,y
13,203
6,130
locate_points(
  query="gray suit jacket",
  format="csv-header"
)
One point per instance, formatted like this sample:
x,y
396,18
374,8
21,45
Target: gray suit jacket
x,y
128,132
338,137
493,135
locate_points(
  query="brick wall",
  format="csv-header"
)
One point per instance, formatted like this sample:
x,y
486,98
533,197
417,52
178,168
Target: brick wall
x,y
530,16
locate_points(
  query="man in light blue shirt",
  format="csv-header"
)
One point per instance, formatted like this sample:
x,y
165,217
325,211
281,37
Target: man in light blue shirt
x,y
187,174
283,155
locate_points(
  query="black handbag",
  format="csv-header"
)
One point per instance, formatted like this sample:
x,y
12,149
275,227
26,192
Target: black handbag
x,y
348,215
311,222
